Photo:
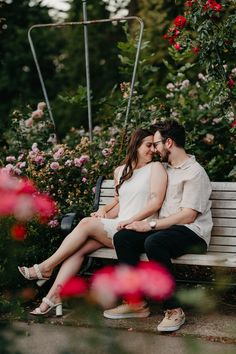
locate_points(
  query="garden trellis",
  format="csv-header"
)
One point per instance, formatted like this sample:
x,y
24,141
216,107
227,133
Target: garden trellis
x,y
85,23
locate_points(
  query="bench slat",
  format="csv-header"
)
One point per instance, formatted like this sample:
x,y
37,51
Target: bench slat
x,y
227,241
224,222
223,186
221,231
224,204
222,248
209,259
108,183
223,195
105,200
223,213
107,192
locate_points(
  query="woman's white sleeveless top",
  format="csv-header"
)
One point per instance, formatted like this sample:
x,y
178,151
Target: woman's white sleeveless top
x,y
134,195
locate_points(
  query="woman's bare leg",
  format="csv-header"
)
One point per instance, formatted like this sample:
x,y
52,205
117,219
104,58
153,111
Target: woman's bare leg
x,y
69,268
87,228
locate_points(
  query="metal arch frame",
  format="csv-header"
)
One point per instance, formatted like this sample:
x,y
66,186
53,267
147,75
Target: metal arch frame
x,y
70,24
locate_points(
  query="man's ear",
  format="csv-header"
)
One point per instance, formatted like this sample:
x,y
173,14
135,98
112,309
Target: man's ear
x,y
170,143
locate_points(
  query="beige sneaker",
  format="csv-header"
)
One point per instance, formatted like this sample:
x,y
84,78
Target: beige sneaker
x,y
128,311
172,321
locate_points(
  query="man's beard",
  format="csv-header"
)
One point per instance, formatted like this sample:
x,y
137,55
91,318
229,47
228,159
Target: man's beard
x,y
165,156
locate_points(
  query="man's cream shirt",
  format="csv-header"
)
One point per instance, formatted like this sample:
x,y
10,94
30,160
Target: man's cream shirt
x,y
189,187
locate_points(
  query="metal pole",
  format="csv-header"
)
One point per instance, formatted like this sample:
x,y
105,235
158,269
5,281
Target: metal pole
x,y
85,23
87,70
134,72
41,79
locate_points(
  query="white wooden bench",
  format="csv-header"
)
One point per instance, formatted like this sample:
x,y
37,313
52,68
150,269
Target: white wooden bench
x,y
222,249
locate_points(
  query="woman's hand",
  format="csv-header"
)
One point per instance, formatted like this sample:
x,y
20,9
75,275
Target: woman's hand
x,y
100,213
140,226
123,224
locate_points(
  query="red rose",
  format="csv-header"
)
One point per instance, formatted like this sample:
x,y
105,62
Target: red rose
x,y
233,124
231,83
213,5
177,46
189,3
18,232
195,50
180,21
172,40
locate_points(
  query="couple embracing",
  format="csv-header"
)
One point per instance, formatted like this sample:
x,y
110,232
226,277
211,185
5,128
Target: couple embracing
x,y
162,210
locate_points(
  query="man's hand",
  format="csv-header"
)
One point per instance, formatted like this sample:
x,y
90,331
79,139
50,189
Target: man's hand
x,y
140,226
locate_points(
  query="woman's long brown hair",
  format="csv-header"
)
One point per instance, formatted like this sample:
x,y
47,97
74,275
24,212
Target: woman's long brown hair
x,y
131,158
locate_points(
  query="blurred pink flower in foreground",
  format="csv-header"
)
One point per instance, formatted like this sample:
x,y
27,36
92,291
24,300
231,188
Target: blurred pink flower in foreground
x,y
123,281
75,286
20,198
132,283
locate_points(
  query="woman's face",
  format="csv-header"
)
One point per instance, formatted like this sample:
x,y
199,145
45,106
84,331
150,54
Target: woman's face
x,y
145,150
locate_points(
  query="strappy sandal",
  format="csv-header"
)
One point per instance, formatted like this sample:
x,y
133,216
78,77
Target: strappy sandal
x,y
26,274
52,306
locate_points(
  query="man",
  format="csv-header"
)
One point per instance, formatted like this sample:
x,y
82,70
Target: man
x,y
184,224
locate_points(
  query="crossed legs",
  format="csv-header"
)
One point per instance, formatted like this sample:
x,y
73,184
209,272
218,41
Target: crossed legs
x,y
86,237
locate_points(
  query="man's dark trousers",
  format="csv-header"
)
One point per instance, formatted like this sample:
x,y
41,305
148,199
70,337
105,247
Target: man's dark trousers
x,y
160,246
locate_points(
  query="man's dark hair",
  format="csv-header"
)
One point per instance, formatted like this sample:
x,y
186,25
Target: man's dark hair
x,y
170,128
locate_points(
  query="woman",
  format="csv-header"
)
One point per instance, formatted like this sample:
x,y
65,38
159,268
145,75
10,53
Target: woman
x,y
140,190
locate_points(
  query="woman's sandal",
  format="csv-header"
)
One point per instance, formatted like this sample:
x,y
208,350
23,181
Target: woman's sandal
x,y
52,306
26,274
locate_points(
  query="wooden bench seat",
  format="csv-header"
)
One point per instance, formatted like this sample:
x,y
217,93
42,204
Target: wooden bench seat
x,y
222,249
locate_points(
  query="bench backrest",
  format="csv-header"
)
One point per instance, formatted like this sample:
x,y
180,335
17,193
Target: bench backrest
x,y
223,212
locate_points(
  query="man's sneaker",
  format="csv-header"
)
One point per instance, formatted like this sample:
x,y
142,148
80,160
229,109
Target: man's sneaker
x,y
128,311
172,321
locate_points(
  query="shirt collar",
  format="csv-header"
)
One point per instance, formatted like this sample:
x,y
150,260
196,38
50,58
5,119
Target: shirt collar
x,y
190,161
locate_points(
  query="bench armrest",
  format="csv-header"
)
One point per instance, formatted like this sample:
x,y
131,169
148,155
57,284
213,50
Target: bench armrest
x,y
69,221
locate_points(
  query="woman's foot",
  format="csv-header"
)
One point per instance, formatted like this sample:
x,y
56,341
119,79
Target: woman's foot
x,y
47,305
35,273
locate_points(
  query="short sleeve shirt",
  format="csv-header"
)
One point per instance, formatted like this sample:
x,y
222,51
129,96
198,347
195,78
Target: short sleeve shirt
x,y
189,187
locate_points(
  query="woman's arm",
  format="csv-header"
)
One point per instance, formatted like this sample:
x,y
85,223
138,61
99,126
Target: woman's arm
x,y
157,195
109,210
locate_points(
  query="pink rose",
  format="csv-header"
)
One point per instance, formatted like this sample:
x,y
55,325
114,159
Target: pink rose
x,y
54,165
41,106
84,159
39,160
10,158
77,162
106,152
29,122
53,223
59,153
37,114
20,157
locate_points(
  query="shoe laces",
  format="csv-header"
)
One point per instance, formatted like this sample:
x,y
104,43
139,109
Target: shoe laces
x,y
170,313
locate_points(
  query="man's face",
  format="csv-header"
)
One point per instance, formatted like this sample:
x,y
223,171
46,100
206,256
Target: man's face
x,y
160,148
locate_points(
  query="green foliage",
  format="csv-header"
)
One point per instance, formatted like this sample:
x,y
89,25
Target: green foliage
x,y
19,82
